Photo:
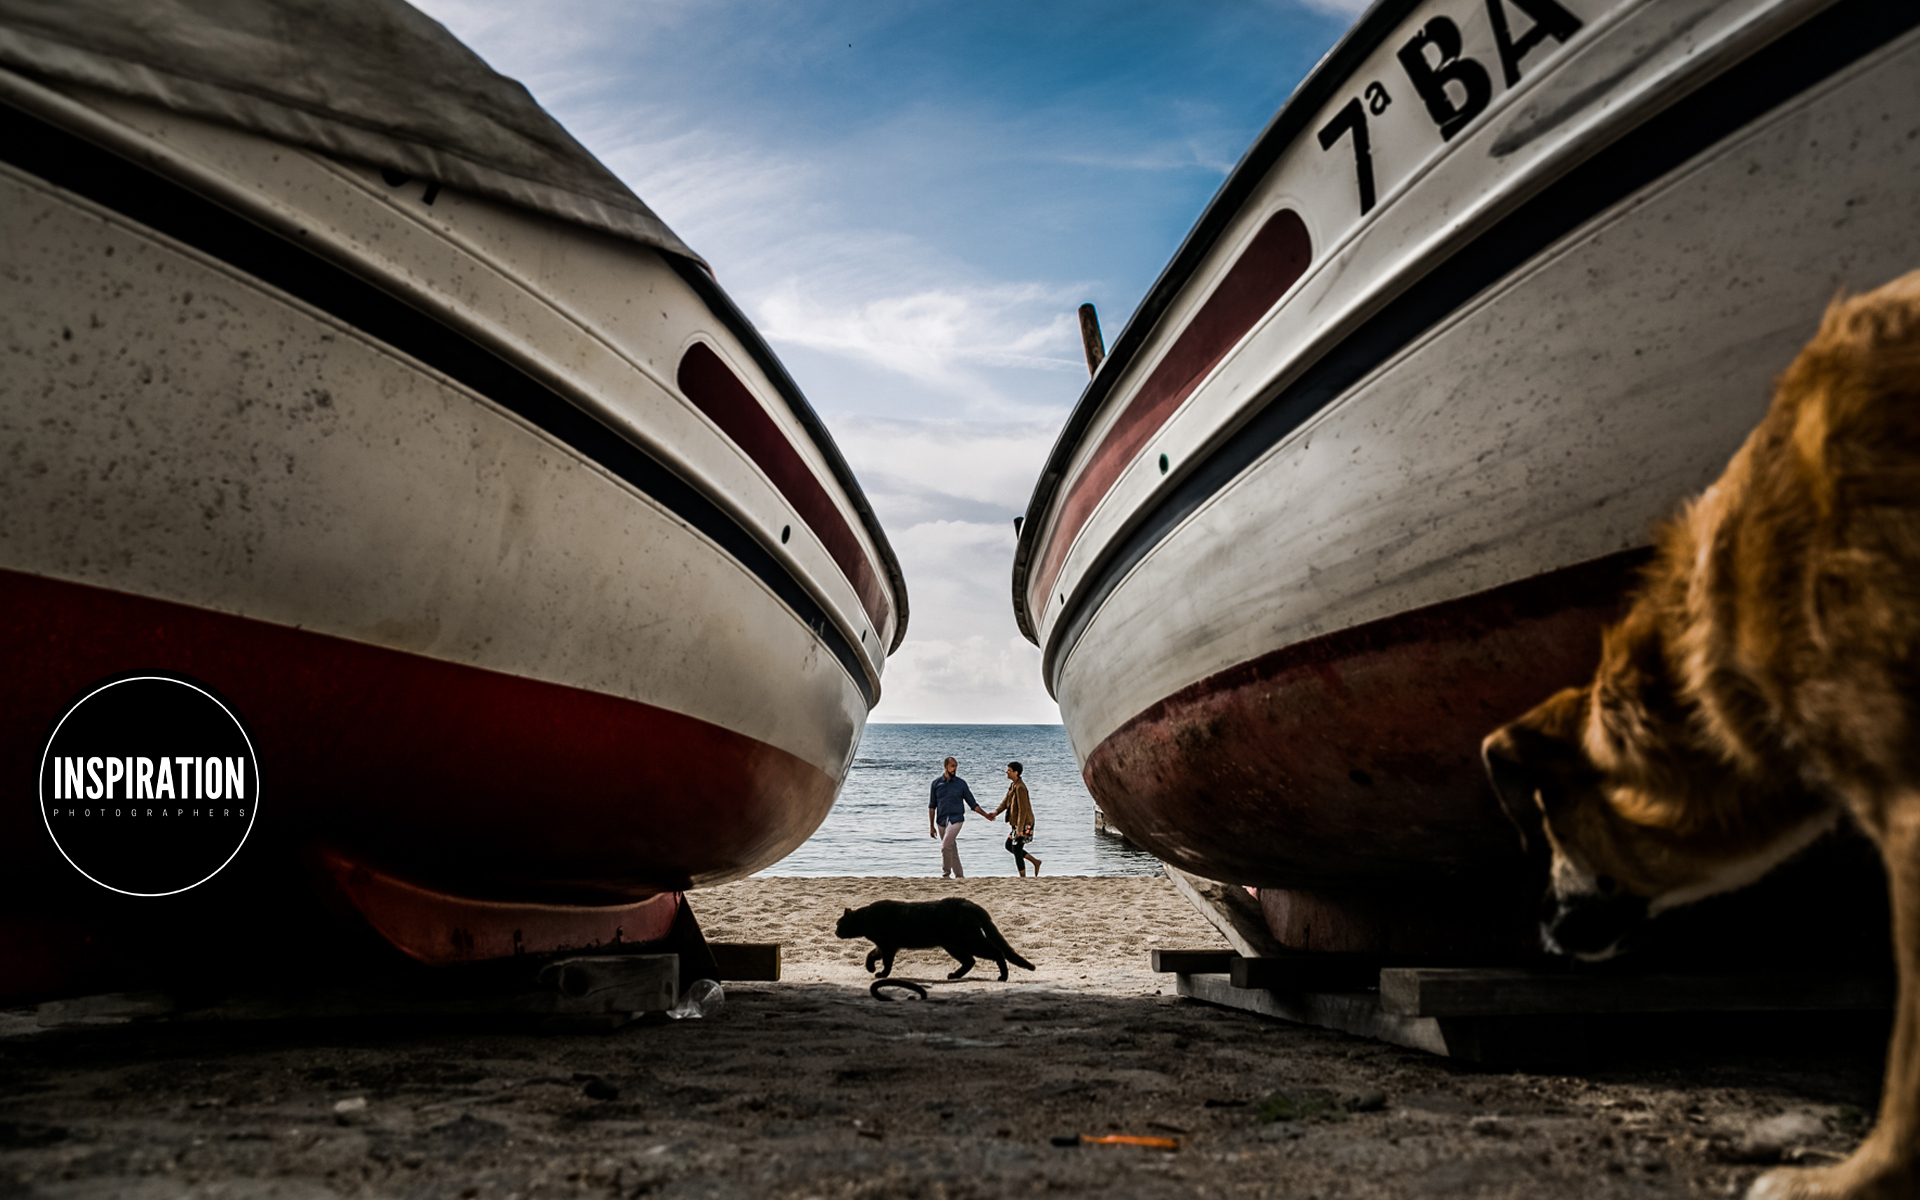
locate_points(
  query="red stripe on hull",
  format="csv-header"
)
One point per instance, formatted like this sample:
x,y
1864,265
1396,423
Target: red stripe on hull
x,y
718,392
1277,256
1353,760
486,784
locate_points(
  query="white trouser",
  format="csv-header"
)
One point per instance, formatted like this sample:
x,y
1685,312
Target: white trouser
x,y
950,850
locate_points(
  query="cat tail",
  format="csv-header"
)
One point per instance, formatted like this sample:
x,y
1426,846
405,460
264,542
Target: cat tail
x,y
995,937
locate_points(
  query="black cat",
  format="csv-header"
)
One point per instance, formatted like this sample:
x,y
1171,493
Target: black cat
x,y
960,927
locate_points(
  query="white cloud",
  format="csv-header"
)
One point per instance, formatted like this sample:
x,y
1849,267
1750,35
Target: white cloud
x,y
976,667
915,255
974,680
728,200
813,276
1338,8
914,470
964,570
926,333
548,43
933,334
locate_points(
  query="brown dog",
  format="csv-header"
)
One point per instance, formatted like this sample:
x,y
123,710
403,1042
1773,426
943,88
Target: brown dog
x,y
1765,680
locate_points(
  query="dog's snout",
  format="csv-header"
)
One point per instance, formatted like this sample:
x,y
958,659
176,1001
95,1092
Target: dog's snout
x,y
1590,925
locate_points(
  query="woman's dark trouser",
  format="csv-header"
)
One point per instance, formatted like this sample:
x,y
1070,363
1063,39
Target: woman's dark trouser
x,y
1017,846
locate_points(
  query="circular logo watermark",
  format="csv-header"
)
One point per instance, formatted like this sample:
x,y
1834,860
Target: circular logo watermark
x,y
149,783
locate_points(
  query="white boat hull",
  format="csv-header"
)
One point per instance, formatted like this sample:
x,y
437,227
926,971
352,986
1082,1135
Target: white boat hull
x,y
1276,648
521,605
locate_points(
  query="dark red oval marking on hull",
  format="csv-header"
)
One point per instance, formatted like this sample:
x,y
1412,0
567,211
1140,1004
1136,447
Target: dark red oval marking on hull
x,y
1278,255
486,785
1353,760
719,393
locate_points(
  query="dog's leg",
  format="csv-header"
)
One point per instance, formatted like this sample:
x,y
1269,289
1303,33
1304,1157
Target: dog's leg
x,y
886,965
966,964
1887,1165
873,958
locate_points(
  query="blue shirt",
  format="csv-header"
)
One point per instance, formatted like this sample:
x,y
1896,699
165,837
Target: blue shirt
x,y
947,798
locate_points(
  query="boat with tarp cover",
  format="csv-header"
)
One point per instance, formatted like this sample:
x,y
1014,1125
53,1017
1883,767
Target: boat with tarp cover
x,y
339,377
1375,458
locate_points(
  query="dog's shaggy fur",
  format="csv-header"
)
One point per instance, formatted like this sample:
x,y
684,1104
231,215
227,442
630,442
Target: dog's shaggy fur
x,y
1765,681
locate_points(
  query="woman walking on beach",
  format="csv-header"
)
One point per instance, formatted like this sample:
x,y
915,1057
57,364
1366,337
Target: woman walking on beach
x,y
1019,810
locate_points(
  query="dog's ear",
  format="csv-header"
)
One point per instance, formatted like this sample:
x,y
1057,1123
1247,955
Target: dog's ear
x,y
846,912
1521,762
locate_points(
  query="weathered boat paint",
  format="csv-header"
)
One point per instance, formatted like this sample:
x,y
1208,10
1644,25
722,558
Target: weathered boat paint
x,y
1400,507
413,481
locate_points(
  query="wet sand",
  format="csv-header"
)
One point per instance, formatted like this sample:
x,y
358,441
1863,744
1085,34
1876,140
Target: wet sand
x,y
810,1088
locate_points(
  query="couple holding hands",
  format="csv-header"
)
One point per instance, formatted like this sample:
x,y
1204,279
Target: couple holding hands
x,y
946,810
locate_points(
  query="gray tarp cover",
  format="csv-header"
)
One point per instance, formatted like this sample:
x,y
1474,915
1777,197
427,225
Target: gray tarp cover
x,y
375,81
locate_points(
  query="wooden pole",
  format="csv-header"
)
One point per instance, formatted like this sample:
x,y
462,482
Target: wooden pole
x,y
1090,338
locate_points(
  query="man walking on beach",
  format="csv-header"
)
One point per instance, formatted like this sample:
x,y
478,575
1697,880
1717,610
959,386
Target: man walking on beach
x,y
946,810
1019,810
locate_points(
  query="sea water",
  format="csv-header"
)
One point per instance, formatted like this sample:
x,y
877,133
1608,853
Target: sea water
x,y
879,824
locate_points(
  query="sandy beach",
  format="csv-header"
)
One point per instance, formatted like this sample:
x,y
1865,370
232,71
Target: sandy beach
x,y
1082,933
810,1088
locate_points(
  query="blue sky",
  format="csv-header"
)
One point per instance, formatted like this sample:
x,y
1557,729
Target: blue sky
x,y
911,200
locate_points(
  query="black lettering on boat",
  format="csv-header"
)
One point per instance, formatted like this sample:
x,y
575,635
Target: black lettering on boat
x,y
1549,21
1377,98
1430,77
1353,119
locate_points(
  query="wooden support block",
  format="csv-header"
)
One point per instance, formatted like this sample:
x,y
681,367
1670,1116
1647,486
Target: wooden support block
x,y
757,962
1543,1041
1229,909
1306,972
1465,924
616,983
1193,962
1350,1012
1503,1042
1486,992
599,991
117,1008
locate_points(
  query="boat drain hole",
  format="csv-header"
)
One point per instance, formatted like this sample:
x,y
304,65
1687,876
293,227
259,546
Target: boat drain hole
x,y
1163,464
786,531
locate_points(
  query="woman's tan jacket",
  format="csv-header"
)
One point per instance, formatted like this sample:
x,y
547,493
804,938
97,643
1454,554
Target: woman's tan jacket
x,y
1018,808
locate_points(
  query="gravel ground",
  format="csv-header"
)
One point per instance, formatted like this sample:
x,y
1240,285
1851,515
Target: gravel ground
x,y
811,1088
